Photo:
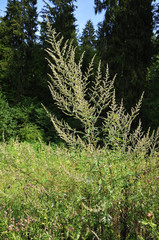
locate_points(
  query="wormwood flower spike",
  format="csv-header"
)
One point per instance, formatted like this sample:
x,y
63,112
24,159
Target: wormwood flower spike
x,y
69,88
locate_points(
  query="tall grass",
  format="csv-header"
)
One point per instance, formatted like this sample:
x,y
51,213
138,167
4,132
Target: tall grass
x,y
50,192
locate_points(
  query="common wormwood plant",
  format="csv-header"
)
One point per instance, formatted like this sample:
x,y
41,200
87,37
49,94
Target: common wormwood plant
x,y
69,88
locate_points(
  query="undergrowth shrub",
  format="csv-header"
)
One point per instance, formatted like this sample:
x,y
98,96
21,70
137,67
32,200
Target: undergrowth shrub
x,y
7,123
30,132
26,121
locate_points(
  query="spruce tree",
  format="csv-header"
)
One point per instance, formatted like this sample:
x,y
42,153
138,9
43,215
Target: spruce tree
x,y
6,54
60,14
88,45
124,42
20,23
88,35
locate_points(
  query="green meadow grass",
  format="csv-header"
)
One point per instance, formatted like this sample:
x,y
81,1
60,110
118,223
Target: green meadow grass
x,y
51,192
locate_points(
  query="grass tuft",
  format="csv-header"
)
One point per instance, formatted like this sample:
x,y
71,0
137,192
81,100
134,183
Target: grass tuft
x,y
59,193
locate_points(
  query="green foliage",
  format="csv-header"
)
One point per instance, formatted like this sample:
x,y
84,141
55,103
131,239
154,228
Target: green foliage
x,y
26,121
151,103
70,194
30,132
7,124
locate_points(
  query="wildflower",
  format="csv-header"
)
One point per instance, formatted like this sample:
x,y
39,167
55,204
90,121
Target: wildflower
x,y
149,215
